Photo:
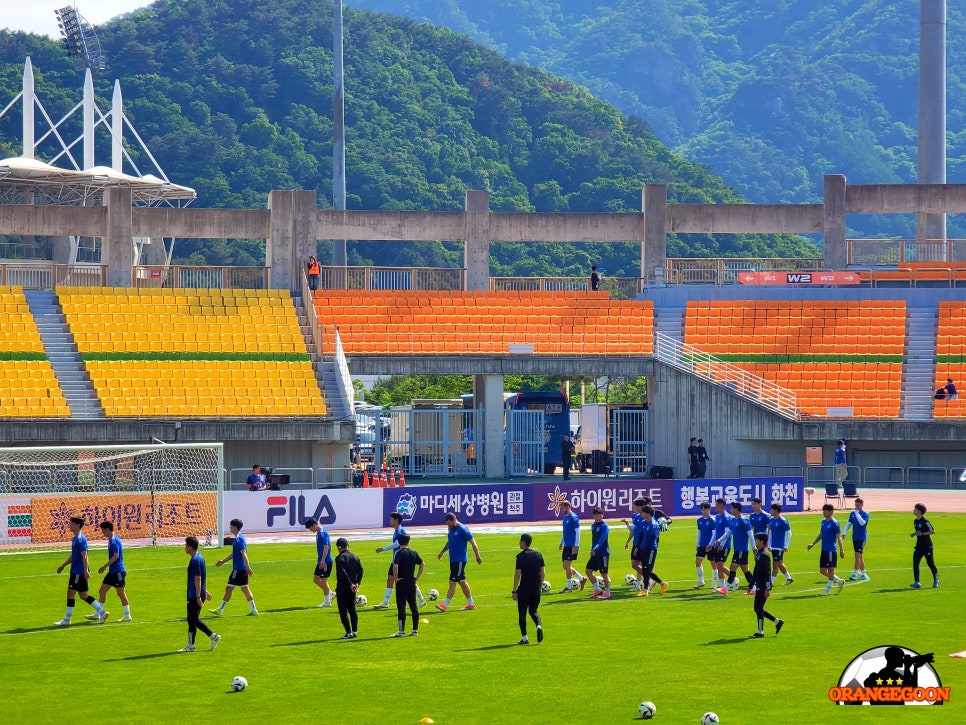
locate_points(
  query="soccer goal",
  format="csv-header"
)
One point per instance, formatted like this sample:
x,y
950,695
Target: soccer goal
x,y
151,493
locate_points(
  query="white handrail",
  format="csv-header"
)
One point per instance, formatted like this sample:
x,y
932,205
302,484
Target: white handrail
x,y
779,400
344,377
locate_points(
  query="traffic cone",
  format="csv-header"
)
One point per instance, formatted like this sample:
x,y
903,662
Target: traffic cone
x,y
383,483
402,479
392,479
365,479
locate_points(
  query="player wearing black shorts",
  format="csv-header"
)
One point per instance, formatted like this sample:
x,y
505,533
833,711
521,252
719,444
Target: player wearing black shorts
x,y
762,583
407,568
80,572
923,534
528,577
323,563
116,573
241,569
599,555
830,534
348,577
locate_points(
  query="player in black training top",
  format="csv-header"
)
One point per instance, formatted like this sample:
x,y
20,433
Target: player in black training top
x,y
348,577
761,579
527,580
923,533
407,567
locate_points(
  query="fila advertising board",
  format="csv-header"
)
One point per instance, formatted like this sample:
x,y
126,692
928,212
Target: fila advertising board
x,y
268,511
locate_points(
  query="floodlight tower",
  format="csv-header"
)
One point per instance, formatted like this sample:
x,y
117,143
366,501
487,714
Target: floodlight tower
x,y
339,258
932,118
80,39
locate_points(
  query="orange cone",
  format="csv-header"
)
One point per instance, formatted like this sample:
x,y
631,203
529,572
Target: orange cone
x,y
402,479
383,483
365,479
392,479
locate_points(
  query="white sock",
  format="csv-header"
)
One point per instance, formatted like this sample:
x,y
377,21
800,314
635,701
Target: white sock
x,y
469,601
70,613
97,606
127,610
446,602
596,586
419,594
221,607
252,605
700,571
388,595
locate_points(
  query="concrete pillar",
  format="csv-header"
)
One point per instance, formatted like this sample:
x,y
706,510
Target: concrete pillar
x,y
292,236
476,249
154,254
488,394
654,248
117,244
836,254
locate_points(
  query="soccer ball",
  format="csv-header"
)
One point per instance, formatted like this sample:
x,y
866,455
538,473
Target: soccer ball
x,y
239,683
361,600
600,581
630,580
575,584
545,586
432,595
709,718
647,709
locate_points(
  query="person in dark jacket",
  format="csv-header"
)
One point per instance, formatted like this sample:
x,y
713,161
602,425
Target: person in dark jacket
x,y
567,450
762,581
348,575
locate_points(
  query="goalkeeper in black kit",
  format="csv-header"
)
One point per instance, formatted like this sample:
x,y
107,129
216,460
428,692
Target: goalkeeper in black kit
x,y
762,581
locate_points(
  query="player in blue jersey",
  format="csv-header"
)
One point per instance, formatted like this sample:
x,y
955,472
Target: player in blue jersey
x,y
758,518
859,523
80,573
197,595
779,538
395,521
739,530
116,573
323,565
599,555
923,534
633,526
457,538
830,535
703,545
719,551
241,569
646,546
570,545
762,580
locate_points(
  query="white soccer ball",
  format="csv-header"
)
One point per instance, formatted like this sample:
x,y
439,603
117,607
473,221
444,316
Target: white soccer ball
x,y
647,709
546,586
432,595
361,600
239,683
600,581
709,718
630,580
575,584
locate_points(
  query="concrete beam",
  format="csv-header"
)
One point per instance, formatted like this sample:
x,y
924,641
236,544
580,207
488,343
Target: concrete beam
x,y
494,365
201,223
387,226
745,218
566,227
906,198
52,221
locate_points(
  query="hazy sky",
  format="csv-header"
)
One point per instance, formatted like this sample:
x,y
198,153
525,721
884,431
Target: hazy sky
x,y
37,16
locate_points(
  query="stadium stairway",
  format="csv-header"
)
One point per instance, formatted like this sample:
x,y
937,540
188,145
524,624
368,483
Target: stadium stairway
x,y
919,370
66,362
670,321
325,371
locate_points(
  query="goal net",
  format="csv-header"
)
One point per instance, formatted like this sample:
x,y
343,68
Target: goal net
x,y
151,493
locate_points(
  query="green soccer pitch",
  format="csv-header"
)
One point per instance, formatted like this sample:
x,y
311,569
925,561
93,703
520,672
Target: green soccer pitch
x,y
687,651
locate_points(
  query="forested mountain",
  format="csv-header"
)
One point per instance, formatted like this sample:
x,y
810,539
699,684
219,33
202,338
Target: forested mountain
x,y
234,98
769,94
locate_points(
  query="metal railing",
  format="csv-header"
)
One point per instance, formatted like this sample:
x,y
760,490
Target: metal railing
x,y
898,251
48,275
616,287
737,380
299,478
181,277
725,270
392,278
912,477
344,377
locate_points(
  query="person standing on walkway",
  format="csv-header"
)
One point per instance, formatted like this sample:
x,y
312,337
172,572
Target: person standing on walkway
x,y
567,450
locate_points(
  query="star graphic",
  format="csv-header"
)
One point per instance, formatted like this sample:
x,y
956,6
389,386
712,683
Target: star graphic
x,y
889,682
556,498
878,681
60,518
899,681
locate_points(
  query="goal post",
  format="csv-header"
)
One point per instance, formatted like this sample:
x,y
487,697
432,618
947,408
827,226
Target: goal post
x,y
152,493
